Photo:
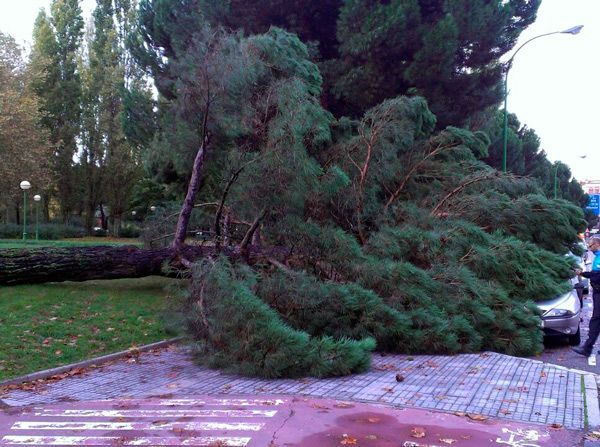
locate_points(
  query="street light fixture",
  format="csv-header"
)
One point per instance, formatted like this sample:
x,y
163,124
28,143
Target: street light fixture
x,y
556,182
152,208
37,198
573,31
25,185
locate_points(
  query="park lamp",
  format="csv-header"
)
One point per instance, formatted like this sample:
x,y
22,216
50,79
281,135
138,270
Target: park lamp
x,y
152,208
25,185
37,198
573,31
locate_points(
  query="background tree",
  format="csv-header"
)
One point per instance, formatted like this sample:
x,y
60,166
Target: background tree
x,y
25,150
370,50
525,157
110,164
57,83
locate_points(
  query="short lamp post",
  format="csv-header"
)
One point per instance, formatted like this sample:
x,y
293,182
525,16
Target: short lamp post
x,y
152,208
25,185
574,30
37,198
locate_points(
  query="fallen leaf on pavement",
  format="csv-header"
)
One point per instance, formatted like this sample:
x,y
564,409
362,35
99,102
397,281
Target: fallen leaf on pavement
x,y
343,405
373,420
417,432
320,407
476,417
371,437
448,441
399,378
556,426
348,440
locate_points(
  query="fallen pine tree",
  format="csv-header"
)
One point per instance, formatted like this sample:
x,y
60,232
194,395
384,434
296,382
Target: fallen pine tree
x,y
384,234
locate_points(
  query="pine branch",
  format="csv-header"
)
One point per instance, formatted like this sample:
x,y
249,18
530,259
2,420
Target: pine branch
x,y
248,236
461,187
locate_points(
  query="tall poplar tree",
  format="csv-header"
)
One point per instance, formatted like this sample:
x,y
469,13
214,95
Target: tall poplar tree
x,y
109,162
57,40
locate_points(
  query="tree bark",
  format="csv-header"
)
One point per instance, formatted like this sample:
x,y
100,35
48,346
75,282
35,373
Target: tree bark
x,y
88,263
190,199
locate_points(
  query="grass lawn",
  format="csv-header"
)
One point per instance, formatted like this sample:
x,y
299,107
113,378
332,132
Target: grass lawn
x,y
45,326
78,242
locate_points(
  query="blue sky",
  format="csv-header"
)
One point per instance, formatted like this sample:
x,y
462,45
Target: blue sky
x,y
553,86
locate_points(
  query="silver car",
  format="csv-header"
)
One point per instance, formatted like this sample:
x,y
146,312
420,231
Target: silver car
x,y
561,316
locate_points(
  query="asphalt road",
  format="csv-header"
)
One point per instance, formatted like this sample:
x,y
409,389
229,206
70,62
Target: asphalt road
x,y
558,351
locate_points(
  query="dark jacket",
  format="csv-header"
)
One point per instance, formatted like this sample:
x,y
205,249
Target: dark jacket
x,y
594,277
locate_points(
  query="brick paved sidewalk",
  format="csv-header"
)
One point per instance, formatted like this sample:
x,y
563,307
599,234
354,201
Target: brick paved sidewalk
x,y
491,384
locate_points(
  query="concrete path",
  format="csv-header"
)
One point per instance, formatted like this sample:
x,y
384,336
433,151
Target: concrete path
x,y
242,421
490,384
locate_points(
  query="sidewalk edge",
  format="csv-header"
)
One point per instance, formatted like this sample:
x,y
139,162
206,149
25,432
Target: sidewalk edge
x,y
44,374
591,399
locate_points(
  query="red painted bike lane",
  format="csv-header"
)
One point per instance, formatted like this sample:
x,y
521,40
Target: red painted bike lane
x,y
262,422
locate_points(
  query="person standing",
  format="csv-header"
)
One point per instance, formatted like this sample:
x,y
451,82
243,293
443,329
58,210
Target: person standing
x,y
594,277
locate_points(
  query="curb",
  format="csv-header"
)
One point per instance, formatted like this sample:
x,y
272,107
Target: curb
x,y
591,400
89,362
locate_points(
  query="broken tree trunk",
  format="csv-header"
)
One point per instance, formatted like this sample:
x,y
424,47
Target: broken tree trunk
x,y
87,263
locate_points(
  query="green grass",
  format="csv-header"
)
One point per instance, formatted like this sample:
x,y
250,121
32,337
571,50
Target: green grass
x,y
87,241
49,325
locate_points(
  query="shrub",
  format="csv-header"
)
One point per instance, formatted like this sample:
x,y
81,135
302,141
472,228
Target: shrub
x,y
129,230
11,231
48,231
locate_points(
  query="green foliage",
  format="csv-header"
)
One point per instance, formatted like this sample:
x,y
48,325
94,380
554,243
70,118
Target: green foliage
x,y
236,331
370,50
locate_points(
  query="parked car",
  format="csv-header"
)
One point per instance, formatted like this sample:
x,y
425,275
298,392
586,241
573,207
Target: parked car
x,y
561,316
581,284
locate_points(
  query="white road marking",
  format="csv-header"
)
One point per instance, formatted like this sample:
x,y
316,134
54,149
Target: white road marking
x,y
211,402
156,425
116,440
134,413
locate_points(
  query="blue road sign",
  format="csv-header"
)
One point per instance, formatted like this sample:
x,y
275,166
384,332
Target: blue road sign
x,y
594,204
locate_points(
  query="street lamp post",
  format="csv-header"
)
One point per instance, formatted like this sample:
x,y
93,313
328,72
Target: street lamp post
x,y
37,199
574,30
25,185
556,182
152,208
